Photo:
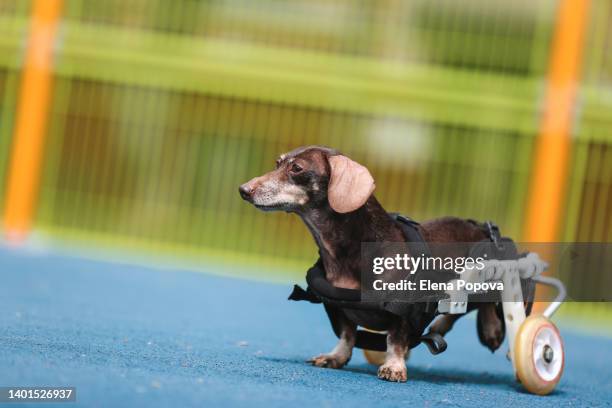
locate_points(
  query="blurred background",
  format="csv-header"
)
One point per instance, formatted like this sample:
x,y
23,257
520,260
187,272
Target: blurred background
x,y
158,110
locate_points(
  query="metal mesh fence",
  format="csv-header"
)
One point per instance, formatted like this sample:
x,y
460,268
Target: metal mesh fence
x,y
165,166
161,109
589,203
589,213
501,37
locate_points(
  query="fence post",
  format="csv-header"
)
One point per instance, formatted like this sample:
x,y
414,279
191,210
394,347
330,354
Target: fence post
x,y
31,120
551,158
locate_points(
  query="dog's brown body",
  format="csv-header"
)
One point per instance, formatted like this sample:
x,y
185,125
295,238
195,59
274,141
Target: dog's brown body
x,y
333,196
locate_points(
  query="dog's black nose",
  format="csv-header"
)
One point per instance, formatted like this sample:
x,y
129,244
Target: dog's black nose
x,y
245,192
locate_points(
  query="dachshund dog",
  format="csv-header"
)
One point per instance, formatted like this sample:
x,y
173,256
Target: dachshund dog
x,y
334,197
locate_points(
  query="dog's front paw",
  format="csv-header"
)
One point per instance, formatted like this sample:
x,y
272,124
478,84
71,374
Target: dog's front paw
x,y
328,361
393,371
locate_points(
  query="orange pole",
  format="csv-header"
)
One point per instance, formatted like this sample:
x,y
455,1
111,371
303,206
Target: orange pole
x,y
547,185
32,112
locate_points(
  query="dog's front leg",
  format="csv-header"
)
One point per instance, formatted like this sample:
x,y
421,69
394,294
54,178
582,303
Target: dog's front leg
x,y
394,368
346,332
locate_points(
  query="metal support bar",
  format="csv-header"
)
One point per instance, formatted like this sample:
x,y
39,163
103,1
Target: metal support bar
x,y
561,293
514,309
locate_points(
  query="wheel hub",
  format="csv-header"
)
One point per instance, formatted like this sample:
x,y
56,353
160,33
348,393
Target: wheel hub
x,y
548,354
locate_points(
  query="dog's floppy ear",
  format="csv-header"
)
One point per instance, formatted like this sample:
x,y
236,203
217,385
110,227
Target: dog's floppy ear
x,y
350,184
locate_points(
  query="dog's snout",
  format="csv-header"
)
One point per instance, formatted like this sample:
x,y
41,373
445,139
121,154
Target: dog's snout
x,y
246,191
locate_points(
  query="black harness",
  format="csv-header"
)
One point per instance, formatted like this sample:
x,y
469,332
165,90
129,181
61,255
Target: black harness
x,y
417,315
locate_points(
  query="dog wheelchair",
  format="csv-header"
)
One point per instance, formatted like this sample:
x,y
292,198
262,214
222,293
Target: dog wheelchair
x,y
535,345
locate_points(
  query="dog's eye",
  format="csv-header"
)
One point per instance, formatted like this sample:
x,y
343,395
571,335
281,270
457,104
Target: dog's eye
x,y
296,168
278,162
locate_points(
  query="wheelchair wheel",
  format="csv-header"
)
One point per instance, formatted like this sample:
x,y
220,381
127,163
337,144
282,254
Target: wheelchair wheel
x,y
538,355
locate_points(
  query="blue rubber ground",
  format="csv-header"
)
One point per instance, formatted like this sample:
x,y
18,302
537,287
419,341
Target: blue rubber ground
x,y
134,336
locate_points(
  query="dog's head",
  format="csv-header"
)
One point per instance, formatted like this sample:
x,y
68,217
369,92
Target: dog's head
x,y
311,177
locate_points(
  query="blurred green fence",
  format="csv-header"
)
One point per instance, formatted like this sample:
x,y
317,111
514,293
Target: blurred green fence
x,y
589,214
161,109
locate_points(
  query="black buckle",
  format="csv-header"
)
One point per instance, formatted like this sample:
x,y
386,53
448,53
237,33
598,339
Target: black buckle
x,y
434,342
493,231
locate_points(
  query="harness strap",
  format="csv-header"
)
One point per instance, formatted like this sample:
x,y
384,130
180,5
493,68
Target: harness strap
x,y
300,294
319,290
378,342
410,228
367,340
492,231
